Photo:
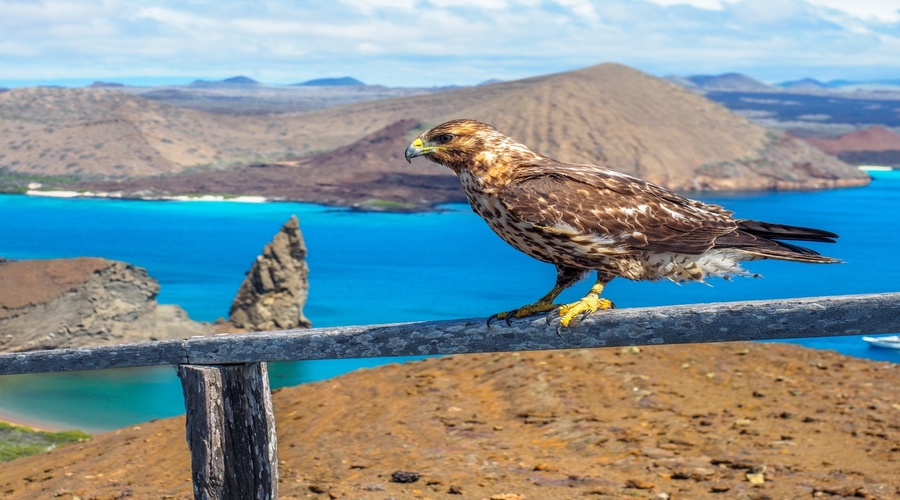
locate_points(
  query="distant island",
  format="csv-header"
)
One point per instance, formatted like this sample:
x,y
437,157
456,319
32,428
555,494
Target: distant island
x,y
726,81
105,85
331,82
235,80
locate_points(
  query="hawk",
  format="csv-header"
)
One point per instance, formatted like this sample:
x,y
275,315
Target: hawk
x,y
584,218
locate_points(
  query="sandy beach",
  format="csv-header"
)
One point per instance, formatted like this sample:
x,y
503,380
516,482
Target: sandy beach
x,y
31,423
91,194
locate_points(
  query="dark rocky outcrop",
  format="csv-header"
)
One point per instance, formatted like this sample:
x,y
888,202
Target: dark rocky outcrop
x,y
48,304
59,303
274,292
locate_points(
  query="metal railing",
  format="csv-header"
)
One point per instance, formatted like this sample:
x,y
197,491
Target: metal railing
x,y
235,458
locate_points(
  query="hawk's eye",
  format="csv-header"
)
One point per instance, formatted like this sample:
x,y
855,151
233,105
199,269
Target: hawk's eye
x,y
443,139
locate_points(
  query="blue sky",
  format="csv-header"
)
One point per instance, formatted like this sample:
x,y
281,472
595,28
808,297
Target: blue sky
x,y
424,43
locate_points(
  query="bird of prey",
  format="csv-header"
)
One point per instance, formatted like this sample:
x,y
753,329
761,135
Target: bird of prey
x,y
584,218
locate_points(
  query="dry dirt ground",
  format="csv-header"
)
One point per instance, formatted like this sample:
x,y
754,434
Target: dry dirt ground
x,y
727,421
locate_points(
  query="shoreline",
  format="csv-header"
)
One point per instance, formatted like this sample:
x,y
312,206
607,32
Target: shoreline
x,y
373,205
121,196
32,423
370,205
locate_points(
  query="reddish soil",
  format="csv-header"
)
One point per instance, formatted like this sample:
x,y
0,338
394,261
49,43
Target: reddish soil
x,y
37,281
870,139
735,421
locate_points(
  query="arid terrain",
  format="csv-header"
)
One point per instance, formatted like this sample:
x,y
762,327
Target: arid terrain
x,y
608,114
736,421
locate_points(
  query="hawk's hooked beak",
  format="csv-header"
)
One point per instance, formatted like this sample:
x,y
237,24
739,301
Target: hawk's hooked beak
x,y
417,148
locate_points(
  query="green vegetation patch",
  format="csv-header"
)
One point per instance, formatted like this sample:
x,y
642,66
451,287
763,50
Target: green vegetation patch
x,y
378,205
17,182
388,205
18,441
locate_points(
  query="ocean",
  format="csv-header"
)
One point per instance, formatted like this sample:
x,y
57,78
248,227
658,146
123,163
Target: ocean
x,y
370,268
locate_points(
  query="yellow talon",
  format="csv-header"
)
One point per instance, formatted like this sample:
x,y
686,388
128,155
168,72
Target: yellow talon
x,y
566,312
586,306
523,312
532,309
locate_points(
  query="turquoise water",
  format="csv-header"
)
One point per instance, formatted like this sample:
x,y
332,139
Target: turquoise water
x,y
377,268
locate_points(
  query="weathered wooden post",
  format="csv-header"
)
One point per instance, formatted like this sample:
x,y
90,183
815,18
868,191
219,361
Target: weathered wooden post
x,y
230,431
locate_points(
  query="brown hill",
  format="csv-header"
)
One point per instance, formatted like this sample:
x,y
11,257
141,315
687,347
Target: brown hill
x,y
870,139
102,133
607,114
630,121
696,422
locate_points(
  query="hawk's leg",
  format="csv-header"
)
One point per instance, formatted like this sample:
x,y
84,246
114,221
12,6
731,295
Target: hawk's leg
x,y
586,306
565,277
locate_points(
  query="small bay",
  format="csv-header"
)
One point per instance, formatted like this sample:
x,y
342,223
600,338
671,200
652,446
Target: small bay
x,y
377,267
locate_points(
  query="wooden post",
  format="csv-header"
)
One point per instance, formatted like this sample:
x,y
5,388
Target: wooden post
x,y
230,431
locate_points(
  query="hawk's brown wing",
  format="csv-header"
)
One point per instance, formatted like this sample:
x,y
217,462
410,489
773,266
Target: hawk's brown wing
x,y
634,214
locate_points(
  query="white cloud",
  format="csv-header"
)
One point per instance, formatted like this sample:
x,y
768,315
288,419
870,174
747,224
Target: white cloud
x,y
174,18
430,42
881,10
367,6
700,4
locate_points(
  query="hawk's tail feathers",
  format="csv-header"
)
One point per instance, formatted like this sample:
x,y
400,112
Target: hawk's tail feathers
x,y
771,231
776,249
786,251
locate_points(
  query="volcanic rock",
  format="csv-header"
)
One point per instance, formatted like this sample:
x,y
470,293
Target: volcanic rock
x,y
274,291
49,304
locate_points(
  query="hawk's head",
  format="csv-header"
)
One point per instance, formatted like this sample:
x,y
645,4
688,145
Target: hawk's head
x,y
464,145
